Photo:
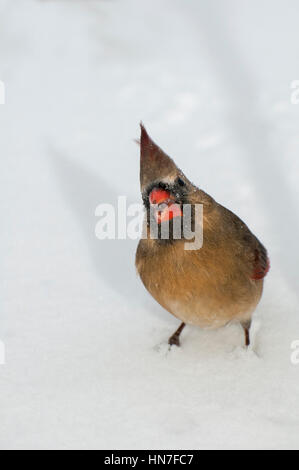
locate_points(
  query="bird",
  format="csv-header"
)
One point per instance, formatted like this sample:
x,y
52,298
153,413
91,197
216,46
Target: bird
x,y
219,282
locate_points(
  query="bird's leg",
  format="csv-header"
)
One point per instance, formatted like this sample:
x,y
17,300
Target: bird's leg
x,y
246,327
175,338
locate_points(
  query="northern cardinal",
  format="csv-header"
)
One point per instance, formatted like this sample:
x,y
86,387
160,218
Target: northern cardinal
x,y
219,283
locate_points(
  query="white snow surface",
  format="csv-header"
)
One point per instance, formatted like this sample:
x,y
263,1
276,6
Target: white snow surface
x,y
87,362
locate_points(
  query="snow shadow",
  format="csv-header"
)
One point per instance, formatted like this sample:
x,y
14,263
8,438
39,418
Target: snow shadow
x,y
114,260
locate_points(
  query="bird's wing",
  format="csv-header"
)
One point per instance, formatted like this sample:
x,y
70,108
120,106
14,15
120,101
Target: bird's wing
x,y
261,264
250,248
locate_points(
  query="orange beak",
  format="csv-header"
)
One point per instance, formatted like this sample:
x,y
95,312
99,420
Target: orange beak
x,y
171,209
158,196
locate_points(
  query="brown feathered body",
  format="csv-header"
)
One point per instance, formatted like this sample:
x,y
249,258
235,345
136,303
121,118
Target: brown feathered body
x,y
210,287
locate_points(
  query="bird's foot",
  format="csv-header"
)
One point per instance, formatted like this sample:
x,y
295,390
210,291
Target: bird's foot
x,y
174,340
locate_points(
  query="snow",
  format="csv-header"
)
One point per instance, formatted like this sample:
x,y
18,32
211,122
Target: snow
x,y
87,362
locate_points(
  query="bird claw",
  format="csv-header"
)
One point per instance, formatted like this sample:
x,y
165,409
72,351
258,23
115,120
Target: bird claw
x,y
174,341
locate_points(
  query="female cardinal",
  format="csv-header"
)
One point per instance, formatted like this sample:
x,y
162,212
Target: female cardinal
x,y
211,286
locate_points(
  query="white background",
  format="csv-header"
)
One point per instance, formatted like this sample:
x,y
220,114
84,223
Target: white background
x,y
87,364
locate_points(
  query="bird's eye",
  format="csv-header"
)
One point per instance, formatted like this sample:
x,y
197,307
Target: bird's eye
x,y
180,182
